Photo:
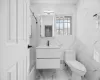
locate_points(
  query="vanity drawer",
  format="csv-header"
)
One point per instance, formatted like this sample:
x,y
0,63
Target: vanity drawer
x,y
47,63
48,53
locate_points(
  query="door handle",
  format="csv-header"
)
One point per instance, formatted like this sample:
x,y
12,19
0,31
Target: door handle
x,y
29,46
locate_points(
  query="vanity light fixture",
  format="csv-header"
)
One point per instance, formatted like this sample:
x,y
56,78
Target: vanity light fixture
x,y
49,12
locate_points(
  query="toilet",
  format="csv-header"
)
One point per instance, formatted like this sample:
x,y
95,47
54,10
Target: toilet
x,y
78,69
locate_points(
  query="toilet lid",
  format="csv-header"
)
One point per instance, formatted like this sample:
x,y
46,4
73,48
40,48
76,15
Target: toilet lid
x,y
77,65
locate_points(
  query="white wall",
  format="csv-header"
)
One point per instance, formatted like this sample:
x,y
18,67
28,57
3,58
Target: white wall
x,y
86,24
87,33
58,9
33,43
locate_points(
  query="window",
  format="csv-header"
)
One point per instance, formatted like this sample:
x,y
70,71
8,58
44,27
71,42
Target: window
x,y
64,25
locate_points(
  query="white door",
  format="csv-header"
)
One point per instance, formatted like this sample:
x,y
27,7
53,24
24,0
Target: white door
x,y
14,38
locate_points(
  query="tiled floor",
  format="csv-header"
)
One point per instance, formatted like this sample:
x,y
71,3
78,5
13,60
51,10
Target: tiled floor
x,y
61,74
53,75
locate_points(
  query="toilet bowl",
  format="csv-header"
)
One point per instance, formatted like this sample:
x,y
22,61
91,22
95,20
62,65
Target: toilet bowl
x,y
78,69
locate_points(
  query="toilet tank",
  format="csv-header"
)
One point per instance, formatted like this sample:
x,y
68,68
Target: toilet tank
x,y
69,55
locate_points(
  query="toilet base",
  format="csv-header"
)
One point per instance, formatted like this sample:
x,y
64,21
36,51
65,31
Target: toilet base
x,y
75,76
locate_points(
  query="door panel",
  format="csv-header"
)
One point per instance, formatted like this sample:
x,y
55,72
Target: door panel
x,y
12,18
12,72
14,34
22,69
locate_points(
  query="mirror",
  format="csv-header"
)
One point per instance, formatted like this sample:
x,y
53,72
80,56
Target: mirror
x,y
47,26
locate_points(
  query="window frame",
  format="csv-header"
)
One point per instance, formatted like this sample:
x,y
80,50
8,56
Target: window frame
x,y
63,16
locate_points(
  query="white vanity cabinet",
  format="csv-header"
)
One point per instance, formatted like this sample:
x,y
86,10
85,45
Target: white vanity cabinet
x,y
48,58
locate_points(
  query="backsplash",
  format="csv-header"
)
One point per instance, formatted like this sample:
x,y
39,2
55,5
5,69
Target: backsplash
x,y
66,42
52,41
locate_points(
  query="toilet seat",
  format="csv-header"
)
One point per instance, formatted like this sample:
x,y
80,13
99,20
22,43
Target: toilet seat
x,y
77,65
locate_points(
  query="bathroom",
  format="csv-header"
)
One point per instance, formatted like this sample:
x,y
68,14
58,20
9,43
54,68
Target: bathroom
x,y
61,41
84,31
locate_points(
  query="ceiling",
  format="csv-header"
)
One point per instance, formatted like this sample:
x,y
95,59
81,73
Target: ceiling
x,y
55,1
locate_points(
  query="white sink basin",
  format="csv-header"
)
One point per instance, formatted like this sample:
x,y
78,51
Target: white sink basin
x,y
51,46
